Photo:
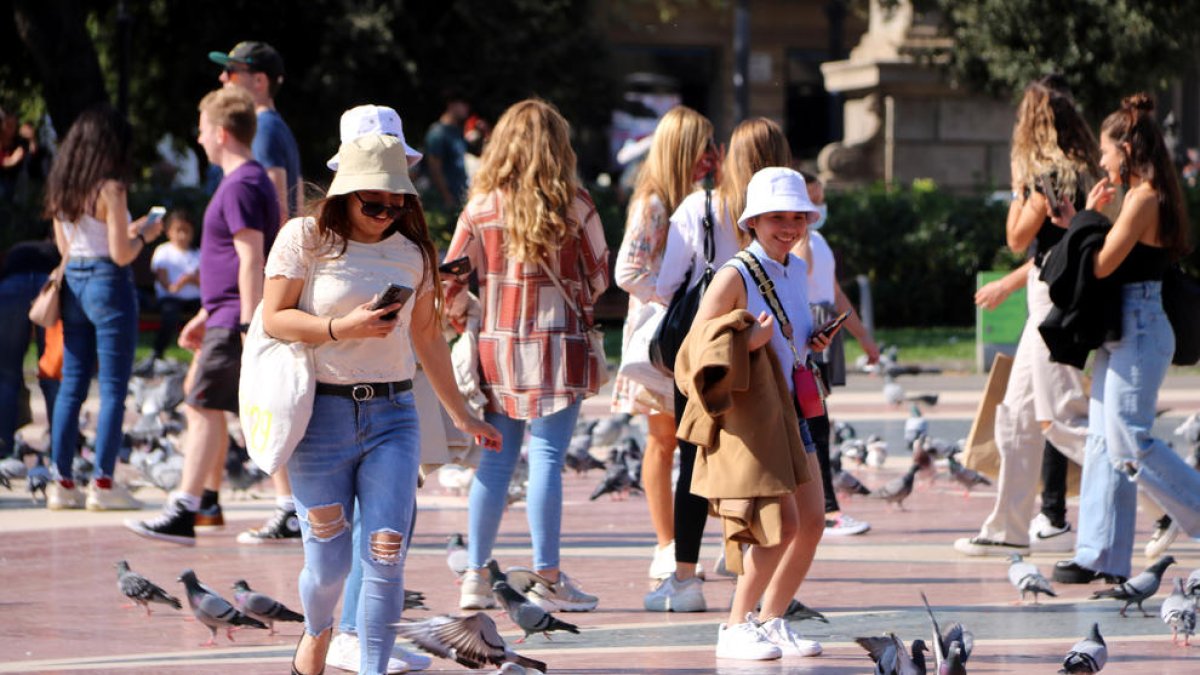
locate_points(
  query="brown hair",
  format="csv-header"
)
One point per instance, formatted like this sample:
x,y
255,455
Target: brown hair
x,y
1133,124
755,144
232,109
98,147
1051,137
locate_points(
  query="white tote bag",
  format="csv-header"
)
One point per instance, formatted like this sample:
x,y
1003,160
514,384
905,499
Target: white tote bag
x,y
635,354
276,389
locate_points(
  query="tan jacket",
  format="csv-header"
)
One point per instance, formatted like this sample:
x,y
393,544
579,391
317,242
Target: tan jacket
x,y
740,415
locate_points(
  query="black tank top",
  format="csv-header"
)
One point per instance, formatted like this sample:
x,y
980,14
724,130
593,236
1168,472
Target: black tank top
x,y
1050,234
1144,263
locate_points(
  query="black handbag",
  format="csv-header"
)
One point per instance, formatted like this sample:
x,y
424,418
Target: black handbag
x,y
684,304
1181,302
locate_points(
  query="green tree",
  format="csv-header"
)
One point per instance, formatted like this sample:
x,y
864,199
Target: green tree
x,y
1105,48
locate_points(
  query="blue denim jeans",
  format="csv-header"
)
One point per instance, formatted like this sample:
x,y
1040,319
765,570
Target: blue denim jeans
x,y
17,292
366,451
549,437
1121,455
100,315
349,621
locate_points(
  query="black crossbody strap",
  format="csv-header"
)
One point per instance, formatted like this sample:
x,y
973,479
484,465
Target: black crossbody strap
x,y
710,244
767,288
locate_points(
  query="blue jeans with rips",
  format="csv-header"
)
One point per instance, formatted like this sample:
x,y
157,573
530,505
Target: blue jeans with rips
x,y
1121,455
366,451
549,437
100,315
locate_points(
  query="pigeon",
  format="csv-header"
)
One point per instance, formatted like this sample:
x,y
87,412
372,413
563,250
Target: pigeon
x,y
471,641
82,469
141,590
608,431
520,579
414,600
214,611
1088,655
798,611
457,558
844,483
262,607
968,478
876,451
37,479
915,426
616,482
891,657
629,453
1140,588
843,431
1179,612
1192,587
12,469
1027,579
241,473
897,490
855,449
951,648
455,478
579,451
925,399
893,393
528,616
922,459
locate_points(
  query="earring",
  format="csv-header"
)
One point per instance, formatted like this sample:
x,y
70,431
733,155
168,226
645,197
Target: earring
x,y
1123,170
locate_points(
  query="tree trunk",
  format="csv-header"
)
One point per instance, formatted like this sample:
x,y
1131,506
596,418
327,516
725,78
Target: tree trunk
x,y
55,33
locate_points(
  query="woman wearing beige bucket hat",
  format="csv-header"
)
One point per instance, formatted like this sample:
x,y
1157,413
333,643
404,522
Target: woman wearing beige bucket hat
x,y
324,277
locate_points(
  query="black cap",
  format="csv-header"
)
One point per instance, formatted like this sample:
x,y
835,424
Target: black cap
x,y
257,56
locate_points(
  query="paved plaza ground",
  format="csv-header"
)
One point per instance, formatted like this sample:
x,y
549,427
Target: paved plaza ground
x,y
63,612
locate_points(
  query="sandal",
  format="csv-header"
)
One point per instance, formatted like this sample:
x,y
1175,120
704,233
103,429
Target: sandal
x,y
296,671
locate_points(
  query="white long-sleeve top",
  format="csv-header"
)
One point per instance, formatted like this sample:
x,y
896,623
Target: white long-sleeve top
x,y
685,244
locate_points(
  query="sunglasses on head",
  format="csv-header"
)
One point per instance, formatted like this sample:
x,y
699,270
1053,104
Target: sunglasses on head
x,y
376,209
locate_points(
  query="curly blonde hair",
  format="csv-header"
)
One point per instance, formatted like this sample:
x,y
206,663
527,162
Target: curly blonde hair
x,y
755,144
1051,138
529,161
680,140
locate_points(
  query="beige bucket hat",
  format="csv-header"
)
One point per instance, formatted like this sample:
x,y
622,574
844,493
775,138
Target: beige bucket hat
x,y
375,162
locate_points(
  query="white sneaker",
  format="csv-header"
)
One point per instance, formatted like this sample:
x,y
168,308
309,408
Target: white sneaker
x,y
476,592
1161,540
344,652
1045,537
116,498
673,595
563,596
720,568
844,525
663,564
779,633
745,641
59,498
415,660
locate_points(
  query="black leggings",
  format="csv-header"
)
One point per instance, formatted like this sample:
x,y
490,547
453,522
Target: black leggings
x,y
818,427
691,511
1054,485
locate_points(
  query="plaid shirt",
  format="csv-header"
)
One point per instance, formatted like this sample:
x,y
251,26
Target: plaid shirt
x,y
533,350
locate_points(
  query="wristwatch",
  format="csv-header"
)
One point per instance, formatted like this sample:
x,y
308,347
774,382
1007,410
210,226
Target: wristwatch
x,y
243,327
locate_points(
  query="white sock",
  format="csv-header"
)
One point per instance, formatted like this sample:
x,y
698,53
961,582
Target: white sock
x,y
285,502
190,502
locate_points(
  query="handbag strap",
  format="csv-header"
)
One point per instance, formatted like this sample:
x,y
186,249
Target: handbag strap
x,y
566,296
766,287
710,243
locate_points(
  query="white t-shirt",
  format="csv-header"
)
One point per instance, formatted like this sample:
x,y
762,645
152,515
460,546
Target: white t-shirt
x,y
685,244
339,284
87,238
176,262
824,271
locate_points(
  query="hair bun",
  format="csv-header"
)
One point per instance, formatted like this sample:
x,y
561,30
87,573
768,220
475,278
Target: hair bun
x,y
1140,101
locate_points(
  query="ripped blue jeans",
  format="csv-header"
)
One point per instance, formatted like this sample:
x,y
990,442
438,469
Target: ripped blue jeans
x,y
1121,455
368,451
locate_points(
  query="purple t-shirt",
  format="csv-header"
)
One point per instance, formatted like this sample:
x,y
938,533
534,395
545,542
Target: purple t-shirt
x,y
244,199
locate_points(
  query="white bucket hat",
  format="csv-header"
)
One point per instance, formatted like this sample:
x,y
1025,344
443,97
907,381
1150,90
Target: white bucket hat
x,y
376,162
367,120
775,188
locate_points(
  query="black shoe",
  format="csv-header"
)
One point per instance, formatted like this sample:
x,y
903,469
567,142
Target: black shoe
x,y
175,524
1071,572
282,528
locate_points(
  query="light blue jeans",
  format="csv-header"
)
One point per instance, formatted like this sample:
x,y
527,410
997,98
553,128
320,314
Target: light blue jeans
x,y
100,315
349,621
550,436
366,451
1121,455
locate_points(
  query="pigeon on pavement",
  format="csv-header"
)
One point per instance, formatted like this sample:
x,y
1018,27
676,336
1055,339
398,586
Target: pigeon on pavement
x,y
1140,588
915,426
897,490
798,611
1179,612
892,658
1191,587
946,643
262,607
457,558
968,478
608,431
1088,655
616,482
531,618
1027,579
37,479
521,579
214,611
141,590
876,451
471,641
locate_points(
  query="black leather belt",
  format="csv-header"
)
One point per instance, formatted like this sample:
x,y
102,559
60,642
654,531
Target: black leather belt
x,y
364,391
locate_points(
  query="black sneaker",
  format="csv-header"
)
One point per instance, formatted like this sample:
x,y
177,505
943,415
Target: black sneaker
x,y
282,528
175,524
1071,572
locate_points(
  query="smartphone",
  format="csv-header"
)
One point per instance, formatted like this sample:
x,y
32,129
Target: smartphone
x,y
390,296
155,214
1051,196
829,328
456,267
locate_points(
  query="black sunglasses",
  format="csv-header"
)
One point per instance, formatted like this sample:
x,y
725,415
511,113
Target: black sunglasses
x,y
376,209
234,70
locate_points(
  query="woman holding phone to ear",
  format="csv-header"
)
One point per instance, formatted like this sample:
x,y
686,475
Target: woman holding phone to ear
x,y
324,278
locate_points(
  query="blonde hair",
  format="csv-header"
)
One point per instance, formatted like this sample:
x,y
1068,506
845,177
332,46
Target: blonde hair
x,y
680,140
1051,138
755,144
529,161
232,109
